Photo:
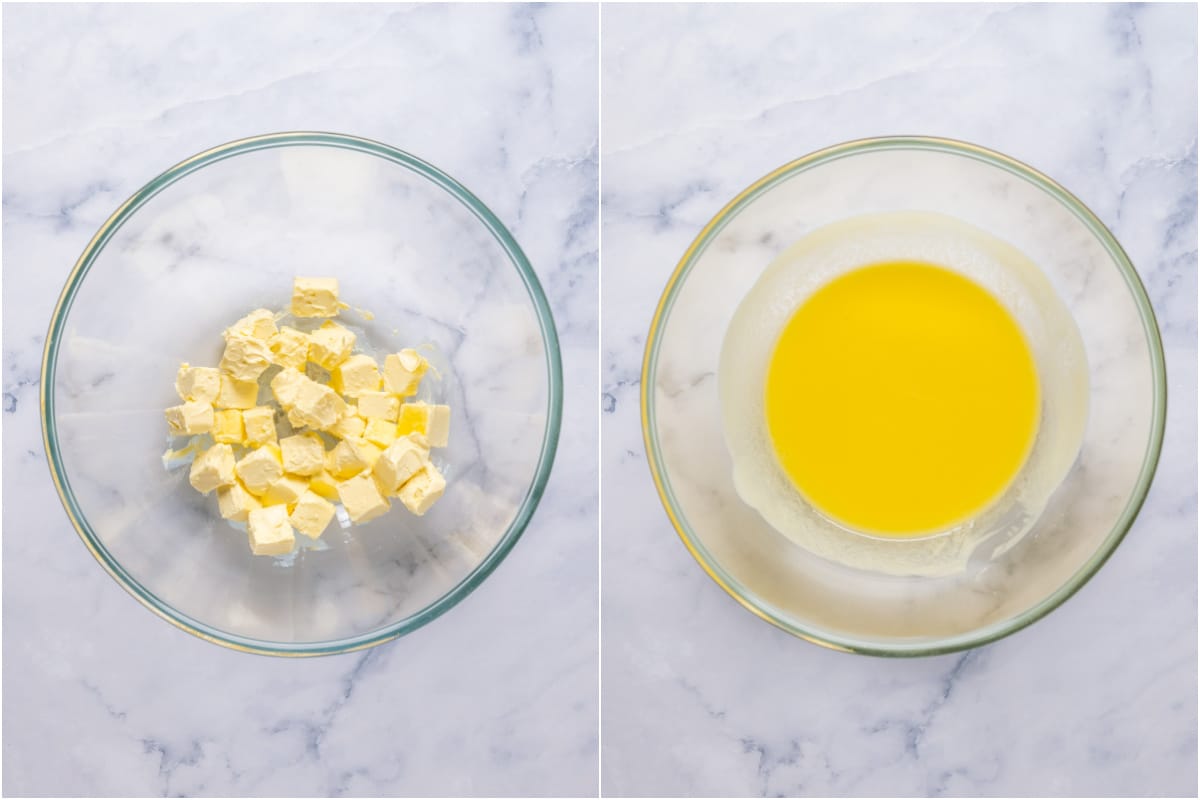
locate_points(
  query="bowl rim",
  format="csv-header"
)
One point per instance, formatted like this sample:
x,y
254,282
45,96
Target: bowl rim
x,y
985,634
550,432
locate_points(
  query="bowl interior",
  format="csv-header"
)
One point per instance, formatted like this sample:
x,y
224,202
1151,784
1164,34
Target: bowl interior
x,y
225,233
861,610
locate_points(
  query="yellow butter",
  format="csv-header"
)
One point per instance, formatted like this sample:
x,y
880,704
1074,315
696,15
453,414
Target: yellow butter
x,y
212,468
228,427
285,491
380,432
315,297
330,345
258,324
311,515
260,468
269,531
237,394
189,419
356,375
378,405
289,348
303,454
422,490
362,499
399,462
402,372
201,384
259,425
235,502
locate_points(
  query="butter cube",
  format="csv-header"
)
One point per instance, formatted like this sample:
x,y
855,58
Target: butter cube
x,y
437,426
303,454
245,357
259,424
325,485
212,468
402,372
289,348
236,394
260,468
235,502
356,375
330,345
286,386
198,383
316,406
378,405
380,432
360,495
350,426
399,462
311,515
269,531
228,427
315,297
422,490
350,457
190,418
258,324
432,421
285,491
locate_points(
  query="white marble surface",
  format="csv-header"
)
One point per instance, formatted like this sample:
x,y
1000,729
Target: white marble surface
x,y
700,697
496,698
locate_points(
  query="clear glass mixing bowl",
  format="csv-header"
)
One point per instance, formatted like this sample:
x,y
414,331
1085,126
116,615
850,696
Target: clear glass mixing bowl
x,y
225,232
867,611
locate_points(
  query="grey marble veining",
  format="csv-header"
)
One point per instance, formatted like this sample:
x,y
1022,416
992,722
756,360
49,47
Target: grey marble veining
x,y
496,698
702,698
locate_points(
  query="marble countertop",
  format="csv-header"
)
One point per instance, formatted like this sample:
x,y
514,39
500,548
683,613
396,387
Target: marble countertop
x,y
498,697
702,698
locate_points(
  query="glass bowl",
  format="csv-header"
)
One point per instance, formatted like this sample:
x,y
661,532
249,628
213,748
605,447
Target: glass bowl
x,y
866,611
225,232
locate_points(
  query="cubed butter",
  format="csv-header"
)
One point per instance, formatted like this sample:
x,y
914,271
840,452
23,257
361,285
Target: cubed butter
x,y
437,427
325,485
245,357
285,491
228,427
315,297
380,432
259,424
402,372
422,490
289,348
258,324
286,386
235,502
316,406
399,462
212,468
260,468
189,419
237,394
350,457
350,426
303,454
201,384
356,375
378,405
432,421
311,515
360,495
270,532
330,345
